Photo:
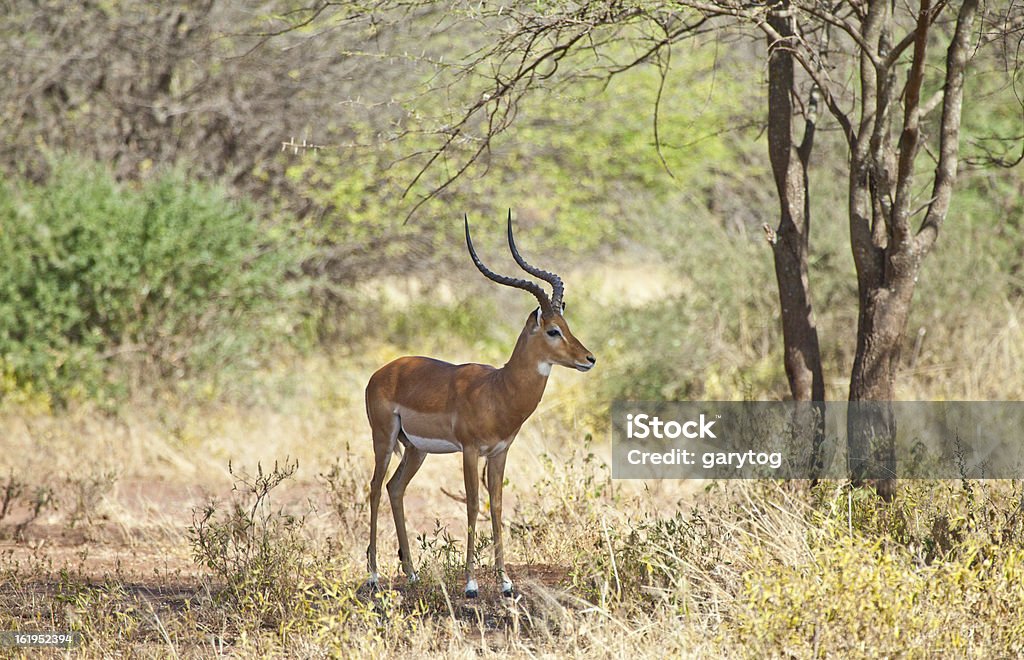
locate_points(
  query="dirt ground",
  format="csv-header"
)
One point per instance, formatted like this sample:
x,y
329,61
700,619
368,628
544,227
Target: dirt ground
x,y
146,552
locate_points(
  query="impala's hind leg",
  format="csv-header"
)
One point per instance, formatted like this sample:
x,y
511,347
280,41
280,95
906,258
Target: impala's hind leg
x,y
411,462
383,445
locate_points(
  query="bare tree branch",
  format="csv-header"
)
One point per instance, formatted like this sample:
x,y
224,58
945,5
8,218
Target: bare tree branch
x,y
949,140
908,144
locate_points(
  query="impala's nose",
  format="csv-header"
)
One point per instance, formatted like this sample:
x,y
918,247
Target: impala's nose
x,y
588,365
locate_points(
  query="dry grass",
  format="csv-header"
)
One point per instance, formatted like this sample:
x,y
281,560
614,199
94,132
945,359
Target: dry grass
x,y
604,569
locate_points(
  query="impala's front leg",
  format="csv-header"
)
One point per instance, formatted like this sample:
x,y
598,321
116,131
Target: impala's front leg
x,y
495,482
470,458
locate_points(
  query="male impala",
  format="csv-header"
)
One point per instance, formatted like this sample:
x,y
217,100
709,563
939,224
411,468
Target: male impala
x,y
434,407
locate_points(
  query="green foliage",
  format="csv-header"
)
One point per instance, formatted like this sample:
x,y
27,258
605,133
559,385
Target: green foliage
x,y
438,327
442,558
713,337
172,276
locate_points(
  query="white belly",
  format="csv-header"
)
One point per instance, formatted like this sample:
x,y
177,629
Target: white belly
x,y
442,446
433,445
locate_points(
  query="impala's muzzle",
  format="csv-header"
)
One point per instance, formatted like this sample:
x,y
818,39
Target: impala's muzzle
x,y
588,365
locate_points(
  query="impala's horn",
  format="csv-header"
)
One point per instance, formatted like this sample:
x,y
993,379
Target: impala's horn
x,y
557,288
546,303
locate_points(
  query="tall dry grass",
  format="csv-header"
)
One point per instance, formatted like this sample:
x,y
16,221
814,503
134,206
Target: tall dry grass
x,y
604,568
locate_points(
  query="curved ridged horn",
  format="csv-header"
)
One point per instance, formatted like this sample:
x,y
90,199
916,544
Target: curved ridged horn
x,y
554,280
525,285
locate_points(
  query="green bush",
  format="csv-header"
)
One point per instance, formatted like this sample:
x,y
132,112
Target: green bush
x,y
172,277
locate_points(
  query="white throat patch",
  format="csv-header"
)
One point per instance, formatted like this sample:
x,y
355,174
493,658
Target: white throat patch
x,y
544,368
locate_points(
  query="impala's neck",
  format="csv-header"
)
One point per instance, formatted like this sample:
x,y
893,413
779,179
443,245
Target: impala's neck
x,y
525,375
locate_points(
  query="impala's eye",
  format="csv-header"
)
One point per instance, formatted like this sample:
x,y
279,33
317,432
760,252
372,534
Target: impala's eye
x,y
554,332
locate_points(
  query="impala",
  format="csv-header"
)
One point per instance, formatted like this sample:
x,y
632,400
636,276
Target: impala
x,y
433,407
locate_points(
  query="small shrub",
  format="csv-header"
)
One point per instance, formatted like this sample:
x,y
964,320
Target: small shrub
x,y
36,500
573,492
258,552
87,492
441,554
12,488
346,483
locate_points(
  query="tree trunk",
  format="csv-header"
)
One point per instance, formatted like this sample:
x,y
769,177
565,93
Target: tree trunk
x,y
802,356
871,426
887,254
790,240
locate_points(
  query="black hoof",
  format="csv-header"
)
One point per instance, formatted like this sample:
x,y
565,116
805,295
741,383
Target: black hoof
x,y
472,593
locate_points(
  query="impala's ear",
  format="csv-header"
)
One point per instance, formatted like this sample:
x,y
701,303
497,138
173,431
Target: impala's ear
x,y
536,318
563,307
